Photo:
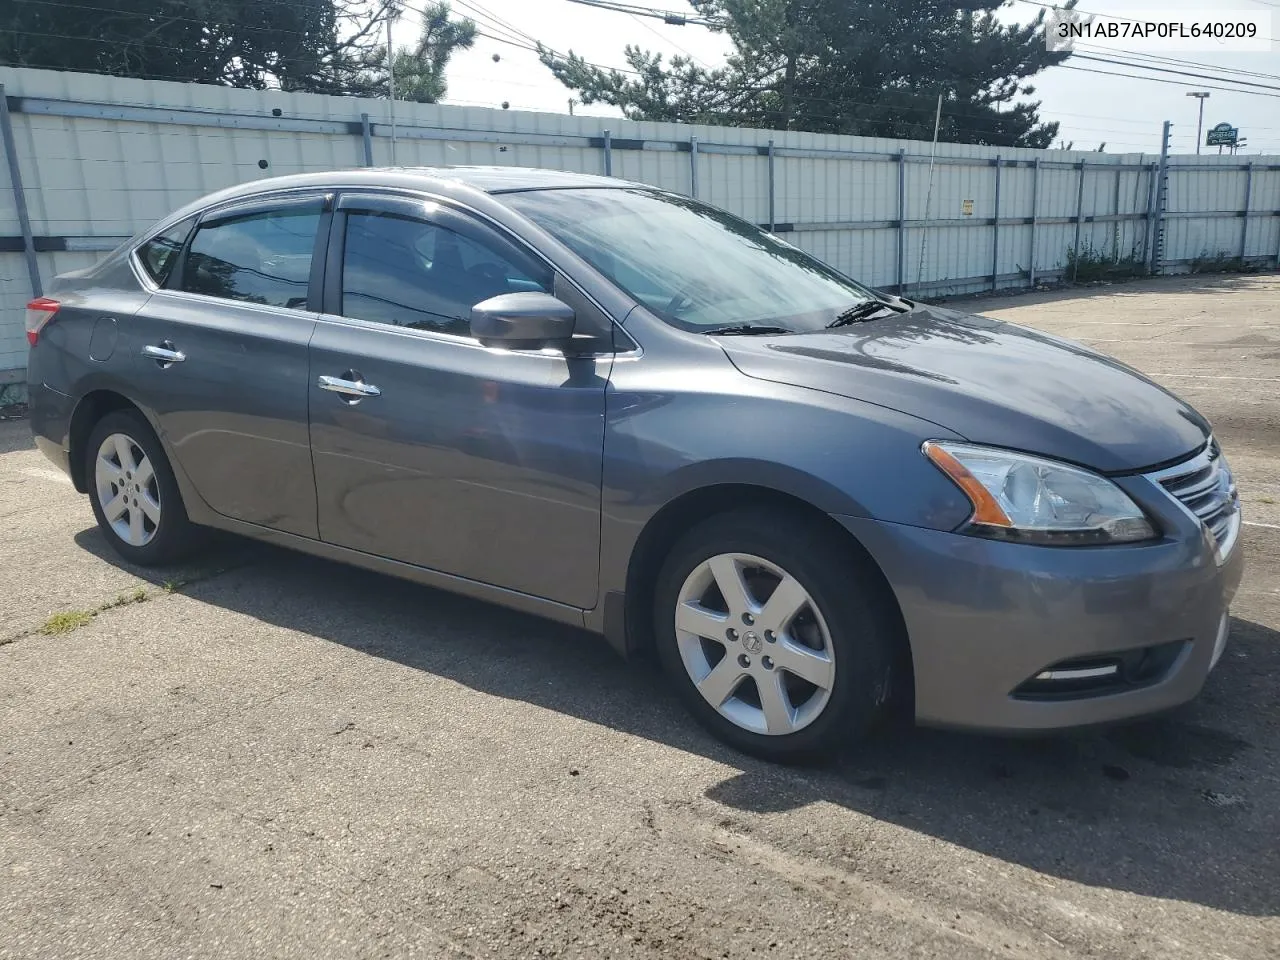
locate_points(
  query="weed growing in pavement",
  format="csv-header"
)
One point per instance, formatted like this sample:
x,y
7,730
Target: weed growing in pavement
x,y
66,621
69,620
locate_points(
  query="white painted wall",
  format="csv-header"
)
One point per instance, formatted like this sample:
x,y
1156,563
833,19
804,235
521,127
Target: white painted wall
x,y
114,170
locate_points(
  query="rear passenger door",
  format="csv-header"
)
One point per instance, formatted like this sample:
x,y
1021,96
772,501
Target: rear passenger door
x,y
220,358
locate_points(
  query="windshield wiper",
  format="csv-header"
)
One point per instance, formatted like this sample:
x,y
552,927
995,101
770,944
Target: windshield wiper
x,y
745,330
860,311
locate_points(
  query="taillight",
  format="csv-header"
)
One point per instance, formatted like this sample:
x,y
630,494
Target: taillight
x,y
39,312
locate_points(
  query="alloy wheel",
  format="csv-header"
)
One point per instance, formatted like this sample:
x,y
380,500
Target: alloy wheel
x,y
127,489
755,644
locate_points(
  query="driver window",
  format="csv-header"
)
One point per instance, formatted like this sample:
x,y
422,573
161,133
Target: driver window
x,y
411,273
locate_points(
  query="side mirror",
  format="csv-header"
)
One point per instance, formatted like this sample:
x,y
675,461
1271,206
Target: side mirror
x,y
522,320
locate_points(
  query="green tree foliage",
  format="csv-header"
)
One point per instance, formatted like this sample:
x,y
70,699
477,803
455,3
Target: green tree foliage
x,y
866,67
316,46
420,72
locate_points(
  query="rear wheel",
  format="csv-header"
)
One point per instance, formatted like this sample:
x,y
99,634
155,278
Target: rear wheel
x,y
776,633
134,495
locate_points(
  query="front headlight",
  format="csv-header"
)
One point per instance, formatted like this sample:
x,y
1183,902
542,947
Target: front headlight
x,y
1032,500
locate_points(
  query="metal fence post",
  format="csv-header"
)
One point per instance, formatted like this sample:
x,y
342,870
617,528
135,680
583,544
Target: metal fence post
x,y
693,166
1149,235
367,134
1248,196
995,233
1162,200
771,188
19,196
608,154
1115,233
1035,203
1278,258
1075,244
902,222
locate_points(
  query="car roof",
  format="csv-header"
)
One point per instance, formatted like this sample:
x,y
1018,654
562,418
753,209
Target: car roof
x,y
461,183
486,179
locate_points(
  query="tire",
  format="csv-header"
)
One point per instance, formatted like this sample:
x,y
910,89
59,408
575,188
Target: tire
x,y
151,527
842,638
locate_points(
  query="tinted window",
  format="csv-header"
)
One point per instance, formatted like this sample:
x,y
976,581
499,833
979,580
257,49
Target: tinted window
x,y
693,265
412,273
261,257
160,253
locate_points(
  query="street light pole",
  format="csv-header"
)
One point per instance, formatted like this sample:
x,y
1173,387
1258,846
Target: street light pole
x,y
1202,96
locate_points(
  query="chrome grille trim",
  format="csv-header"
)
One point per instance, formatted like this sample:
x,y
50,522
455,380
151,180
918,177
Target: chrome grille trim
x,y
1204,488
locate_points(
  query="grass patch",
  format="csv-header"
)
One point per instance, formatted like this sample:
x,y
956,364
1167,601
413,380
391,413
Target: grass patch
x,y
66,621
1266,499
138,596
1090,264
69,620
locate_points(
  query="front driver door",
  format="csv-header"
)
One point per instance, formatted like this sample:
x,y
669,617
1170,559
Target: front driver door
x,y
479,462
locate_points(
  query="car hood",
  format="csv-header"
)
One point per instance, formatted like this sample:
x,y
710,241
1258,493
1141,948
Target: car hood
x,y
989,381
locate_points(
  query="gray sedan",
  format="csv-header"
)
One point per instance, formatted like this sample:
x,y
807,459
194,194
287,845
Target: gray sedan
x,y
632,412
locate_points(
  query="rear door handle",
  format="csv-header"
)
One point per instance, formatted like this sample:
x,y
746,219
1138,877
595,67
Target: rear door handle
x,y
163,353
348,388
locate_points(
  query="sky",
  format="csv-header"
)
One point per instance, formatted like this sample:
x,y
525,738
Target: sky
x,y
1124,113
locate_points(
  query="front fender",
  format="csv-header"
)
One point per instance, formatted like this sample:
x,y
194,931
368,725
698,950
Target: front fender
x,y
842,456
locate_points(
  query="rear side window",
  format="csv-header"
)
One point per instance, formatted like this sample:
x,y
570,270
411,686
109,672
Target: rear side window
x,y
259,257
160,253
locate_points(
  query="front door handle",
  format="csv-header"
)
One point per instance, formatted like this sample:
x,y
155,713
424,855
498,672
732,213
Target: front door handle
x,y
352,388
163,353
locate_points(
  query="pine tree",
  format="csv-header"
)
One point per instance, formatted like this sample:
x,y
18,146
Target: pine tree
x,y
420,72
867,67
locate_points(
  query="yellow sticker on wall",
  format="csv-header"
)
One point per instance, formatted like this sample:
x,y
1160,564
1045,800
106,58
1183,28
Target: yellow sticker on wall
x,y
966,207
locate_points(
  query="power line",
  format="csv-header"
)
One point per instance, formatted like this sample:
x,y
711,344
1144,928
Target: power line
x,y
525,42
1105,16
667,16
1181,73
1179,83
1174,61
687,52
490,20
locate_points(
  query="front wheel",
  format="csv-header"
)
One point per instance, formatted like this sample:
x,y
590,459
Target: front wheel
x,y
134,495
776,633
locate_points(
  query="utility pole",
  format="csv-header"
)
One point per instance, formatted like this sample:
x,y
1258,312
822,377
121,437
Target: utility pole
x,y
572,102
1202,96
391,80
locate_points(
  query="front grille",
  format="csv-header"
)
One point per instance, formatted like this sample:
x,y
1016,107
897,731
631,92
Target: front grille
x,y
1205,488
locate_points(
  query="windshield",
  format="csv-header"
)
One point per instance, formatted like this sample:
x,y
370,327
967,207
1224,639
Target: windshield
x,y
696,267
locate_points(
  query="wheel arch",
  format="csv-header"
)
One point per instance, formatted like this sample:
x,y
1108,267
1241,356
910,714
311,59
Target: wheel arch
x,y
94,404
91,408
675,517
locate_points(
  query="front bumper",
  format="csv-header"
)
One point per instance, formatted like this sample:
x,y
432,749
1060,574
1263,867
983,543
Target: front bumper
x,y
984,617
